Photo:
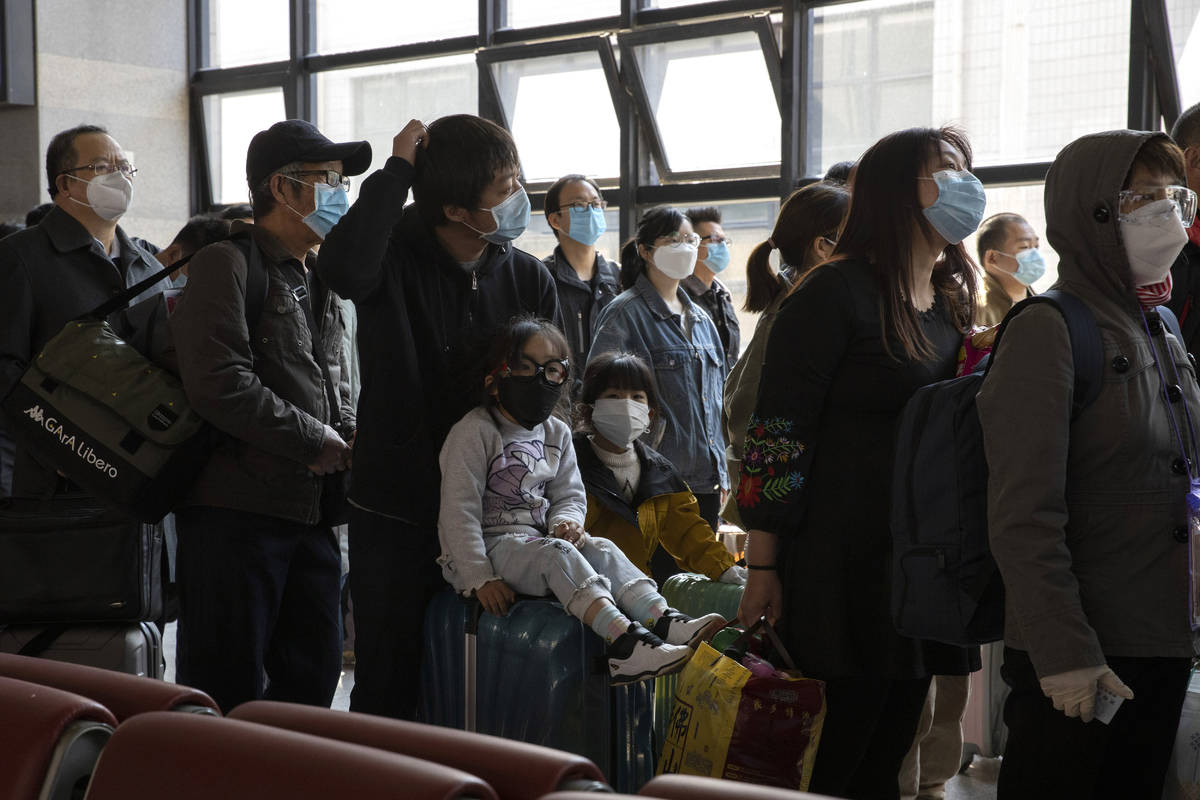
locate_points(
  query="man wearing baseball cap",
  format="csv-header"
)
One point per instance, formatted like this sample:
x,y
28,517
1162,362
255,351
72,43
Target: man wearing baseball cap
x,y
259,340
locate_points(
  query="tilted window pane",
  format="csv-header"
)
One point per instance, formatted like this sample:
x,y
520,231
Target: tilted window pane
x,y
347,25
713,101
1184,18
561,115
1022,79
528,13
375,103
241,33
230,122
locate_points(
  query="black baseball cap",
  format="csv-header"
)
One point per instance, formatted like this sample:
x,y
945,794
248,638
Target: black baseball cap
x,y
297,140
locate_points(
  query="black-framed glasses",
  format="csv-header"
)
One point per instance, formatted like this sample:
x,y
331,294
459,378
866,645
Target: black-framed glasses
x,y
553,373
581,206
104,168
329,177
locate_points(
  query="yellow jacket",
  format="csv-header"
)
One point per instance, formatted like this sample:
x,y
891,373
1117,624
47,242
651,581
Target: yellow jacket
x,y
664,511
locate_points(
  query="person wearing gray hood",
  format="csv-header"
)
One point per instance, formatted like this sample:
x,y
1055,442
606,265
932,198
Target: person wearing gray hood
x,y
1087,513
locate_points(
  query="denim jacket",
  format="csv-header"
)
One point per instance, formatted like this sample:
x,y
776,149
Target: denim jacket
x,y
690,375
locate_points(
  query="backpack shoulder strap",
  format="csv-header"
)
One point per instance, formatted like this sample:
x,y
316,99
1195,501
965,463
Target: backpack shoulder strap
x,y
1172,322
1087,348
256,277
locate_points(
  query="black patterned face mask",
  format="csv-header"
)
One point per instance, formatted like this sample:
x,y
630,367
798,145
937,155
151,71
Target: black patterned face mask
x,y
528,398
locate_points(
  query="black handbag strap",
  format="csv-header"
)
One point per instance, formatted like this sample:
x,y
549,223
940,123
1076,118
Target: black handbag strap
x,y
119,301
768,631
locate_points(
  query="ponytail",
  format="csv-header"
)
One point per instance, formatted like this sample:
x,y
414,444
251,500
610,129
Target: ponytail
x,y
633,266
763,284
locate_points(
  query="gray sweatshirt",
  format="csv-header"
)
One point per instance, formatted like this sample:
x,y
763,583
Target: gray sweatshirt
x,y
499,478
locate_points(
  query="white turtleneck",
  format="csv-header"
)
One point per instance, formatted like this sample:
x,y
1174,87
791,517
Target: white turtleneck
x,y
624,466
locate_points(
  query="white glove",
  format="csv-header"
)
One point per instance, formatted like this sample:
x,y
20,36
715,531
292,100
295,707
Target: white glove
x,y
735,575
1074,692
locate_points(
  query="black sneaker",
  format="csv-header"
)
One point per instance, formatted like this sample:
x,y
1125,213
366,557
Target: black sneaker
x,y
674,627
638,654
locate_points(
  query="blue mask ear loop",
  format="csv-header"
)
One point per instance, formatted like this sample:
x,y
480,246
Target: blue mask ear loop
x,y
1190,462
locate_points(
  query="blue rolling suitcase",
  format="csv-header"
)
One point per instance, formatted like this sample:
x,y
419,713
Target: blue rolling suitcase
x,y
536,675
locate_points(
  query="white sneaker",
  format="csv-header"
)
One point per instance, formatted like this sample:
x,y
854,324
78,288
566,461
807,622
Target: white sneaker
x,y
676,628
638,654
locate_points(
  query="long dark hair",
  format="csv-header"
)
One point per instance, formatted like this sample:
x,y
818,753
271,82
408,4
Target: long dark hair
x,y
658,221
816,210
884,224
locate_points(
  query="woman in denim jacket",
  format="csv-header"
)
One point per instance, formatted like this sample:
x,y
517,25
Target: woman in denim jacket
x,y
655,319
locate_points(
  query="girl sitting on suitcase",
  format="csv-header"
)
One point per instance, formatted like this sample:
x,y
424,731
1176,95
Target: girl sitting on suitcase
x,y
635,497
513,506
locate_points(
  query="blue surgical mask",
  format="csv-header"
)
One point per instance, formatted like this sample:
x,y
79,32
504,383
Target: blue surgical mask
x,y
718,256
332,204
1030,266
959,207
511,216
586,226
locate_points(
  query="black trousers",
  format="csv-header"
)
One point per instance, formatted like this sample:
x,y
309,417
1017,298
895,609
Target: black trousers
x,y
393,576
869,727
258,607
1051,755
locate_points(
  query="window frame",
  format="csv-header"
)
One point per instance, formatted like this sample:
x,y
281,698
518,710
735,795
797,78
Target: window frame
x,y
646,178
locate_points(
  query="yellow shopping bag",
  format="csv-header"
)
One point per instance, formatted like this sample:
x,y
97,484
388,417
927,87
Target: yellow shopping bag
x,y
730,723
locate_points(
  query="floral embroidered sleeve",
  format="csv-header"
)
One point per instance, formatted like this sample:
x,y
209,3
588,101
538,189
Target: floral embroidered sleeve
x,y
806,347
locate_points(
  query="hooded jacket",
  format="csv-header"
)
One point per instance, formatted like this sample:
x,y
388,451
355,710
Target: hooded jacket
x,y
424,325
664,511
1086,516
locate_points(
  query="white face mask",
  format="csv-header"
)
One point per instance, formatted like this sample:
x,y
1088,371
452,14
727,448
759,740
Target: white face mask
x,y
108,195
1153,236
676,261
620,420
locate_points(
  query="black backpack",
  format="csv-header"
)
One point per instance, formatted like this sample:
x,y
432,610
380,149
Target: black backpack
x,y
945,585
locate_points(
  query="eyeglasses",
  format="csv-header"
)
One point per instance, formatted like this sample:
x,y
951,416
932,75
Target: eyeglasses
x,y
104,168
1183,199
680,238
329,177
582,207
717,240
553,373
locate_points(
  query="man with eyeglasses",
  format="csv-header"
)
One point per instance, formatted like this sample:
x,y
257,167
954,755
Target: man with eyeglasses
x,y
258,567
704,287
73,260
586,280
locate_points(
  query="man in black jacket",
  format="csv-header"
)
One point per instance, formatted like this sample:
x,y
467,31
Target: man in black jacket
x,y
585,279
73,260
431,283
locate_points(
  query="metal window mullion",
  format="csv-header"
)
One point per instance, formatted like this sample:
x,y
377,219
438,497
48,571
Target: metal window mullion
x,y
200,188
631,76
1142,108
771,54
1162,60
793,96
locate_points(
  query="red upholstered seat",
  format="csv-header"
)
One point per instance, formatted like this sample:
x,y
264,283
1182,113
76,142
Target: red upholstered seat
x,y
692,787
516,770
190,756
124,695
50,738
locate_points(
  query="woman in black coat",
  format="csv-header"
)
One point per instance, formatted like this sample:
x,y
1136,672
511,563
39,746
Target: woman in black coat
x,y
816,474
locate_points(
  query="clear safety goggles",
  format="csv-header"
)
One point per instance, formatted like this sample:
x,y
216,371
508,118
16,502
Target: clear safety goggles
x,y
1183,199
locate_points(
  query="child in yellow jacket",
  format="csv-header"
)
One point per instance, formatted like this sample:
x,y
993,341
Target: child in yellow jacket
x,y
635,497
